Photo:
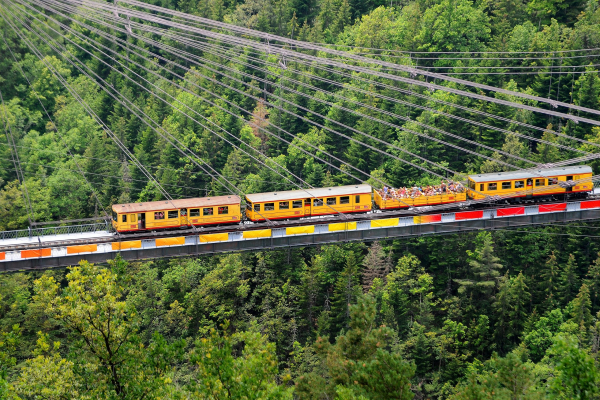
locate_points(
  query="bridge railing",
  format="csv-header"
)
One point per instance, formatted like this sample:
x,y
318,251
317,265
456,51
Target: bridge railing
x,y
56,230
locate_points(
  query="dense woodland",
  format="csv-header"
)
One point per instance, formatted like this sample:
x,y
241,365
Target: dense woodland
x,y
501,315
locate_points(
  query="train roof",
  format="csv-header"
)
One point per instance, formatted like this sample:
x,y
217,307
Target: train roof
x,y
176,204
531,173
309,193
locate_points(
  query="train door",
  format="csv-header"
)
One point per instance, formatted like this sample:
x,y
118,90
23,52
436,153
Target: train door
x,y
529,188
142,221
569,183
306,207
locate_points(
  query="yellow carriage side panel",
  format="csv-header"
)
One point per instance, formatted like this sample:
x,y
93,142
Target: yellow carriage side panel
x,y
298,230
383,223
214,237
342,226
256,234
89,248
133,244
176,241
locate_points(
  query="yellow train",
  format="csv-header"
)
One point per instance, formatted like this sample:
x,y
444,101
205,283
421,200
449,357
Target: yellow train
x,y
563,182
572,181
170,214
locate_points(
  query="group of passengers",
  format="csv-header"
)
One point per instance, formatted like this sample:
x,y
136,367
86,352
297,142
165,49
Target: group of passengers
x,y
445,187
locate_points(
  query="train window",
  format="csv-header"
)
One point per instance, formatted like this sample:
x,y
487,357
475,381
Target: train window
x,y
481,187
471,185
307,202
492,186
540,182
552,181
570,178
284,205
331,201
269,206
257,207
297,204
159,215
519,184
357,200
173,214
207,211
124,218
345,200
132,218
195,212
317,202
506,185
183,212
224,210
115,216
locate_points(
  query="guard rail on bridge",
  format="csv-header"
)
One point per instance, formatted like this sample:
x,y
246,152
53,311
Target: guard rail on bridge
x,y
302,235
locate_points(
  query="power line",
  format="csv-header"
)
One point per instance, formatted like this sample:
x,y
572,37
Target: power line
x,y
298,44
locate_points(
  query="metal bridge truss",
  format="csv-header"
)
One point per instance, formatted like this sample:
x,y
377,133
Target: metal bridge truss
x,y
103,249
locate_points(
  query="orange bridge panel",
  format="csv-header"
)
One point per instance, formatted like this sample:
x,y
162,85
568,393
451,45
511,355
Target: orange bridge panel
x,y
36,253
134,244
176,241
89,248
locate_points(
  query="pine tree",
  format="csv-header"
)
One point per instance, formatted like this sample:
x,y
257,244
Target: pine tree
x,y
376,265
569,280
593,282
520,299
347,287
550,282
581,313
484,267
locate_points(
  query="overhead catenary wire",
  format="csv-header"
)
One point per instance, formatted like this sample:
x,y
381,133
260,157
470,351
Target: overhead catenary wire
x,y
258,126
17,162
460,118
112,95
179,110
98,202
490,127
113,161
349,56
86,107
243,110
334,94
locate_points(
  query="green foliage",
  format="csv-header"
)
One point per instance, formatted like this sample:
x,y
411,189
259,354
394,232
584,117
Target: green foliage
x,y
223,375
298,322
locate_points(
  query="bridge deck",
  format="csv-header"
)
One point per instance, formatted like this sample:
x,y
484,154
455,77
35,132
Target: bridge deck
x,y
103,248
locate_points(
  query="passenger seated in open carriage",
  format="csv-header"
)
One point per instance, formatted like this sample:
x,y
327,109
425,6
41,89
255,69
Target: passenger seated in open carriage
x,y
445,187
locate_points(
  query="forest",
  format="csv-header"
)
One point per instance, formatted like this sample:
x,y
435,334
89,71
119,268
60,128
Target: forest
x,y
507,314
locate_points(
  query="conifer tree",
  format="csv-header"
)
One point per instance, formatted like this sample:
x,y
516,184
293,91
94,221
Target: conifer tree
x,y
580,309
550,283
484,267
593,282
569,280
376,265
347,287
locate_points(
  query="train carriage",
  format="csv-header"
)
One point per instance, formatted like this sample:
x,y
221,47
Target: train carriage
x,y
308,202
390,202
573,181
134,217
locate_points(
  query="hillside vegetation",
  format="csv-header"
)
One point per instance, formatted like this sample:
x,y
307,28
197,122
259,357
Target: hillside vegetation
x,y
501,315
